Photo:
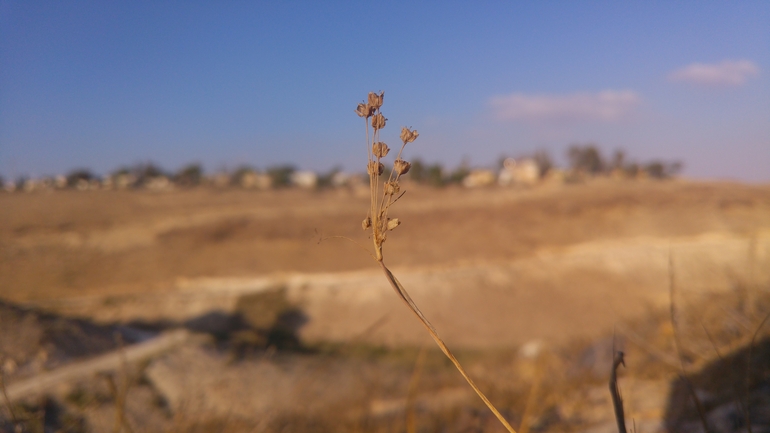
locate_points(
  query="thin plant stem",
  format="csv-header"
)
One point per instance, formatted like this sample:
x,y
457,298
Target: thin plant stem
x,y
617,399
530,404
402,293
383,206
368,147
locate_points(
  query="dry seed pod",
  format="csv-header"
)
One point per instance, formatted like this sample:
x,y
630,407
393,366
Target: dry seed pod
x,y
378,121
366,223
414,136
393,223
408,136
380,149
362,110
392,188
375,100
375,167
401,167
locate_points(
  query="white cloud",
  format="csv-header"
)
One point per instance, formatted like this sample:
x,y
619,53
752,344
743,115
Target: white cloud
x,y
607,105
726,73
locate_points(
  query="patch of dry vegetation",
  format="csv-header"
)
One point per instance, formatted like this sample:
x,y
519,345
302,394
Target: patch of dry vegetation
x,y
362,388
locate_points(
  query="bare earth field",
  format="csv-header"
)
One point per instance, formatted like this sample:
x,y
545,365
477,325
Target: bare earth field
x,y
536,263
494,269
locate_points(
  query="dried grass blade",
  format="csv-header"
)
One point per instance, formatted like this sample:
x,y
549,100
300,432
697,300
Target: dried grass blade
x,y
433,333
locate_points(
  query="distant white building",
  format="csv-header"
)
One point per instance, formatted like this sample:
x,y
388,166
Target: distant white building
x,y
252,179
340,179
522,172
555,176
479,178
159,183
123,180
220,180
304,179
31,185
82,185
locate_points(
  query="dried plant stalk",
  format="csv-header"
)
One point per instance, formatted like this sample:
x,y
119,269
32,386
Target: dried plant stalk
x,y
617,400
379,223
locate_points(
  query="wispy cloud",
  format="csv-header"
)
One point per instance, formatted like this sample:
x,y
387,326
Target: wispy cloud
x,y
607,106
725,73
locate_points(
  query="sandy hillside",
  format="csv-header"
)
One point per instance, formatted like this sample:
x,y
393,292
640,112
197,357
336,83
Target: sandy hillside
x,y
489,266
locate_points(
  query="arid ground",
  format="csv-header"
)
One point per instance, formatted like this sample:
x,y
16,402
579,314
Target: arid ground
x,y
495,269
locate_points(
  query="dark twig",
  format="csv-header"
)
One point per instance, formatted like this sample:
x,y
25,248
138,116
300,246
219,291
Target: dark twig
x,y
647,347
617,400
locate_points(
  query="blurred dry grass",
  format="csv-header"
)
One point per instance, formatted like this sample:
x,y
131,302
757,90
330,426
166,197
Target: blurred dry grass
x,y
361,388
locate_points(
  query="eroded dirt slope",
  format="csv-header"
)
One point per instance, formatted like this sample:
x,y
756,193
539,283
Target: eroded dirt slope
x,y
73,243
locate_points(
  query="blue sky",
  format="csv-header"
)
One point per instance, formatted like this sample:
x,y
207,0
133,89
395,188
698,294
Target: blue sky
x,y
101,84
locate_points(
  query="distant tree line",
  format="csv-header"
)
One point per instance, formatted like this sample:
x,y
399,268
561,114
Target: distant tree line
x,y
588,159
584,161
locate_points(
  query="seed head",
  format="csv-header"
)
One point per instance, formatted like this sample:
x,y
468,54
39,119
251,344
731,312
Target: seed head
x,y
378,121
393,223
392,188
364,110
380,149
375,100
407,135
375,167
366,223
401,167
